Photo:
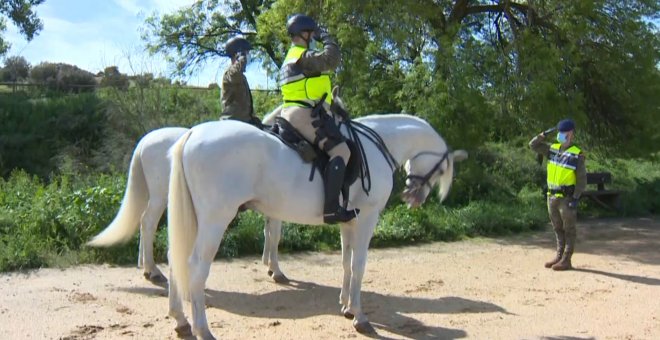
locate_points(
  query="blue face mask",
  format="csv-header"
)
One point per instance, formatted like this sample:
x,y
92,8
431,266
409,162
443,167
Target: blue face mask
x,y
562,137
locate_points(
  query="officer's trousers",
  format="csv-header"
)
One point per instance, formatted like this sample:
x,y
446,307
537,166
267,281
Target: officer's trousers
x,y
562,217
301,119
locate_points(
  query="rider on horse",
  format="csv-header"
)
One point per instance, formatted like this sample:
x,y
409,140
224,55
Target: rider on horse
x,y
236,95
307,94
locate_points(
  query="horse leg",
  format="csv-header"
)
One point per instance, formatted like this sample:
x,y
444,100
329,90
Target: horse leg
x,y
362,232
206,246
272,234
148,226
346,254
176,310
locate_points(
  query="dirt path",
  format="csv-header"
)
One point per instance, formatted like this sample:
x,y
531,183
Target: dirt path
x,y
481,289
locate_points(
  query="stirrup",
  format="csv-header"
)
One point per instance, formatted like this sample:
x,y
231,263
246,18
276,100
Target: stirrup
x,y
340,216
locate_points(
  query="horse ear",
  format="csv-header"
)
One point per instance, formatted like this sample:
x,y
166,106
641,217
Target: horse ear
x,y
460,155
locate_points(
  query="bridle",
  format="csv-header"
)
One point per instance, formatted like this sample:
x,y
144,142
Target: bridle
x,y
421,181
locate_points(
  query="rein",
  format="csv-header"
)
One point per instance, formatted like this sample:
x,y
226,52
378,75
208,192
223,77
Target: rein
x,y
425,180
354,130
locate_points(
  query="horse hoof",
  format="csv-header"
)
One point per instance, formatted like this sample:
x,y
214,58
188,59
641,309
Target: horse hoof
x,y
184,331
270,273
348,315
157,279
280,278
364,327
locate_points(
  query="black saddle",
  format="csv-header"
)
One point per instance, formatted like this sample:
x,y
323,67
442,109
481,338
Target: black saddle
x,y
313,154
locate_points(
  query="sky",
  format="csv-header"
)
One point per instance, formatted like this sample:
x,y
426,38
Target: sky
x,y
94,34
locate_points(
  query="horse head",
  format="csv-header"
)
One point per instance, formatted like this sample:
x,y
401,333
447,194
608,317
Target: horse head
x,y
427,169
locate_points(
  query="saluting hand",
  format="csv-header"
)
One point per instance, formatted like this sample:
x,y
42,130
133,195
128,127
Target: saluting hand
x,y
320,33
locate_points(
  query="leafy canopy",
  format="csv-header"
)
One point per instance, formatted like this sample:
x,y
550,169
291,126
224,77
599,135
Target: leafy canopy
x,y
21,13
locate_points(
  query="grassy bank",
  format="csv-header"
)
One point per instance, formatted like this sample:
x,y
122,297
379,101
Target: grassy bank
x,y
46,223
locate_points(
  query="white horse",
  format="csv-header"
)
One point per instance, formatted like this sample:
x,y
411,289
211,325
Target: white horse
x,y
218,166
145,201
145,198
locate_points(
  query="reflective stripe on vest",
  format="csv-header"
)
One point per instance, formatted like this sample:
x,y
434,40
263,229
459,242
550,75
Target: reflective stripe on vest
x,y
296,87
561,166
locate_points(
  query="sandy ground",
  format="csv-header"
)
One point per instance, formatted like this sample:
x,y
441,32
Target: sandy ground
x,y
481,289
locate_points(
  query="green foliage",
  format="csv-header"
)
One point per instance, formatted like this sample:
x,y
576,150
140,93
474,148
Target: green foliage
x,y
16,69
40,222
62,77
113,78
21,13
486,75
47,224
639,181
38,134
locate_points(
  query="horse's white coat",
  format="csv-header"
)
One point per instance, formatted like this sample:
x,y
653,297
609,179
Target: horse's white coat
x,y
145,201
218,166
145,198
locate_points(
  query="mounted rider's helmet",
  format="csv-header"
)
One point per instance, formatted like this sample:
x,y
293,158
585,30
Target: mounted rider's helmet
x,y
300,23
236,45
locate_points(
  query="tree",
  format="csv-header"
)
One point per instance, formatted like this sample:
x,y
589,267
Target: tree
x,y
21,13
113,78
193,35
16,68
478,69
63,77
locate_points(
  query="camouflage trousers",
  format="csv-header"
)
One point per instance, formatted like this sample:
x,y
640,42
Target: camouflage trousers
x,y
301,118
562,217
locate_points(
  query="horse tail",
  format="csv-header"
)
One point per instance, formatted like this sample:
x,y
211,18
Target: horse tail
x,y
135,201
181,219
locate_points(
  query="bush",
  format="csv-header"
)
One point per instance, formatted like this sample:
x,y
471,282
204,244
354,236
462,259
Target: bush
x,y
63,77
47,224
36,134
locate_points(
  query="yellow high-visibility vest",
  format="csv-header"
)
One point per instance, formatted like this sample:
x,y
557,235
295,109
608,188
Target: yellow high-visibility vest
x,y
299,89
561,167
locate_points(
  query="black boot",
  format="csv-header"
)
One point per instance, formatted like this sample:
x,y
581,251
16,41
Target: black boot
x,y
333,179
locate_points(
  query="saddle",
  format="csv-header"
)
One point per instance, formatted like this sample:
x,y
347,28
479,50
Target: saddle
x,y
318,159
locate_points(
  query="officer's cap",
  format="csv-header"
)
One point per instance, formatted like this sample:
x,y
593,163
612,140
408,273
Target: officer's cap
x,y
566,125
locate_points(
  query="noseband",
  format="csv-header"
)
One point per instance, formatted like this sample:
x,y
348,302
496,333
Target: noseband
x,y
421,181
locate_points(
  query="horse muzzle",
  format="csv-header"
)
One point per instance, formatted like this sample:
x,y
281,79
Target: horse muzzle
x,y
413,196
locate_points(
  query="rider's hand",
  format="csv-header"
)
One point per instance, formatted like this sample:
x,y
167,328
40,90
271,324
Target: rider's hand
x,y
320,33
573,203
242,55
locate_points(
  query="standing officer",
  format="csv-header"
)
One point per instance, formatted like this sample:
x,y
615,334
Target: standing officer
x,y
236,95
307,94
567,179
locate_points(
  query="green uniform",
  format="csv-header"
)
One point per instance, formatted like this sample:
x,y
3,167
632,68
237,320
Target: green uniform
x,y
236,95
566,180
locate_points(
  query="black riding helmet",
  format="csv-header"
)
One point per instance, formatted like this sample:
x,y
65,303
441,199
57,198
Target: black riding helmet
x,y
300,23
237,44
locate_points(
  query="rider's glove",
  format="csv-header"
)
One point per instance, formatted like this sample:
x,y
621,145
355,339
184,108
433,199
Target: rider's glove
x,y
320,34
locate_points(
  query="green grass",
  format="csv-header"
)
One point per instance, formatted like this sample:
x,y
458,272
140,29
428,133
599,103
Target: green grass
x,y
75,149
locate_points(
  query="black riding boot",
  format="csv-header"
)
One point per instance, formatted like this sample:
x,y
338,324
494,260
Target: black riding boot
x,y
333,179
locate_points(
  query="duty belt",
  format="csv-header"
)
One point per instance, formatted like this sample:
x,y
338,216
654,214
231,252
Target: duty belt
x,y
562,191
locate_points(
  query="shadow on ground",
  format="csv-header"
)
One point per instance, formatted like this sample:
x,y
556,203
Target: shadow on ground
x,y
306,299
636,239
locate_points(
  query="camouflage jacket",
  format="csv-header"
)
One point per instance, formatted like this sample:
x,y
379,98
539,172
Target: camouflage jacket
x,y
236,96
